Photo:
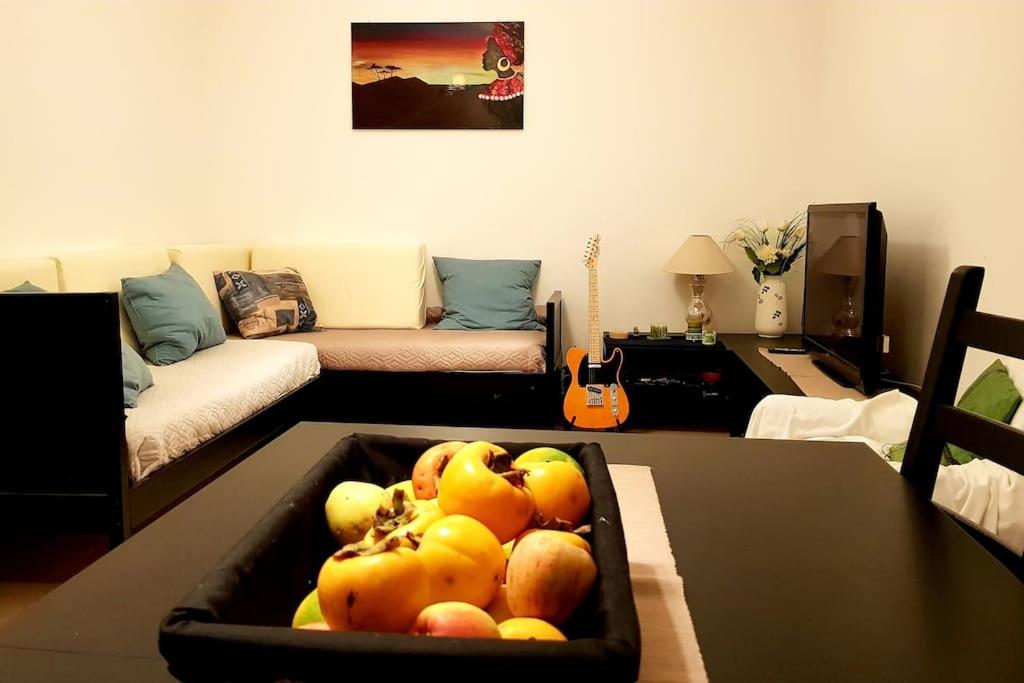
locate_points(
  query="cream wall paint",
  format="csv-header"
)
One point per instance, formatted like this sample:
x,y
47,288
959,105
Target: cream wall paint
x,y
166,122
99,123
645,121
172,121
920,109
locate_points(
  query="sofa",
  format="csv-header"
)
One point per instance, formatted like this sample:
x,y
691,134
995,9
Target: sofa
x,y
87,460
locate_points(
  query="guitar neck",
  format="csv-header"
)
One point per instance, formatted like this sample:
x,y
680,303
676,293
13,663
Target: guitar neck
x,y
594,345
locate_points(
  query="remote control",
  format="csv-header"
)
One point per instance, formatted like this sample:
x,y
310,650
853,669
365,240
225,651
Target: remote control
x,y
787,350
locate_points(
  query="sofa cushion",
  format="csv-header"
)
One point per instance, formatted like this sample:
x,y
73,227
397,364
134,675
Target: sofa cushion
x,y
170,316
992,395
488,295
135,375
428,350
41,272
193,401
356,286
201,261
266,303
25,287
101,271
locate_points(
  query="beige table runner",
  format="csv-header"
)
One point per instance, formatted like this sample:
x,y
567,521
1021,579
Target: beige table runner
x,y
669,650
811,380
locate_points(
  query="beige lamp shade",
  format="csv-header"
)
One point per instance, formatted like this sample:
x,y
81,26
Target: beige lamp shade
x,y
699,255
845,257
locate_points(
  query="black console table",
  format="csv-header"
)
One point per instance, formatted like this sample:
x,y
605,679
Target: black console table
x,y
677,383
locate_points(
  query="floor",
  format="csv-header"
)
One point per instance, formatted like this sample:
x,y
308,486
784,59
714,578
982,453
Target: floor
x,y
30,567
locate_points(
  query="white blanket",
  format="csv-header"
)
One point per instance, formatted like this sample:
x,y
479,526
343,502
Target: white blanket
x,y
983,493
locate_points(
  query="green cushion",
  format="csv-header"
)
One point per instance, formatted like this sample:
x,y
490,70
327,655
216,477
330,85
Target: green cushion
x,y
488,295
25,287
171,316
992,395
135,375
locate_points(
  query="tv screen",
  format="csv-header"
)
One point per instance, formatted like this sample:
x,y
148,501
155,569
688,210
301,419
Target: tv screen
x,y
844,290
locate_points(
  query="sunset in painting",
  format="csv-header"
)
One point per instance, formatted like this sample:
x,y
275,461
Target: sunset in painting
x,y
438,75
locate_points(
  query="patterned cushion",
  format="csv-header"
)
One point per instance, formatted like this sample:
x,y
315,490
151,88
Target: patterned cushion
x,y
266,302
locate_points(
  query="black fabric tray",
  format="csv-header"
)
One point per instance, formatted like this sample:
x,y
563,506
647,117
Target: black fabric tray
x,y
235,625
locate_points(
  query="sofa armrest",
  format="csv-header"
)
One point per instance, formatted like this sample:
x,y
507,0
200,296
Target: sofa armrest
x,y
553,342
64,427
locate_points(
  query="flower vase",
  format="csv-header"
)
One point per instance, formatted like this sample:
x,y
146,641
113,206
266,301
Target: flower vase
x,y
770,316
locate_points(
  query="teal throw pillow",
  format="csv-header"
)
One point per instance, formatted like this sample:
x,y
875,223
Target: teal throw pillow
x,y
25,287
135,375
171,316
992,395
488,295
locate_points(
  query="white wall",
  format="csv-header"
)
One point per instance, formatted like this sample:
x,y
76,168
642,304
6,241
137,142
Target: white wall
x,y
99,123
182,120
920,109
645,121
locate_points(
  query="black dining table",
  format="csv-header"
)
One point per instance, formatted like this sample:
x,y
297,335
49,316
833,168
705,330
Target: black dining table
x,y
801,561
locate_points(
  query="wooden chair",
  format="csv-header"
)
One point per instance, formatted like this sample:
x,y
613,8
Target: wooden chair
x,y
938,421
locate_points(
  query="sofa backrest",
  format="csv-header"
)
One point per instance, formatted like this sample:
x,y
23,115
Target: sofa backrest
x,y
42,272
101,271
356,286
201,261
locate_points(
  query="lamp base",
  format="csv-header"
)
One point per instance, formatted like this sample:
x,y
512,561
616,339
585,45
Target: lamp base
x,y
698,314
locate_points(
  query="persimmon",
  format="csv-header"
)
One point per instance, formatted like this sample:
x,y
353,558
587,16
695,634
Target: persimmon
x,y
528,628
404,517
559,491
464,561
480,481
382,587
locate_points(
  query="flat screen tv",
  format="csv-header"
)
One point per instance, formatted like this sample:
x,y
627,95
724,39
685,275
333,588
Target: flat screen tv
x,y
844,292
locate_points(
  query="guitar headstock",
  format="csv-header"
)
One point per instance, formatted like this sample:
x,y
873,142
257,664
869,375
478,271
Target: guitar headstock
x,y
592,252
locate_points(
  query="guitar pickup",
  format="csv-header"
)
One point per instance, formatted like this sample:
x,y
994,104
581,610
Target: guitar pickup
x,y
595,396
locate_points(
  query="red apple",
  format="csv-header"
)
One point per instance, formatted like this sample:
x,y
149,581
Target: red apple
x,y
455,620
427,470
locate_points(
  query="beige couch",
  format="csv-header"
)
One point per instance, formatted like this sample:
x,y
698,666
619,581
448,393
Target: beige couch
x,y
370,302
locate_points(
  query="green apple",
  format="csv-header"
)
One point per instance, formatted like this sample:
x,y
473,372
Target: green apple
x,y
351,509
308,611
547,454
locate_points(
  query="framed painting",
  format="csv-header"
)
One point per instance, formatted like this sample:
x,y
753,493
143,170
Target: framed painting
x,y
447,75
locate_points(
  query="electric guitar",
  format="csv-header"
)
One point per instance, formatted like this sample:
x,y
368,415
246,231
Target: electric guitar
x,y
595,399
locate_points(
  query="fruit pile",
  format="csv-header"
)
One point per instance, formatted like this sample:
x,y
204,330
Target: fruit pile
x,y
475,545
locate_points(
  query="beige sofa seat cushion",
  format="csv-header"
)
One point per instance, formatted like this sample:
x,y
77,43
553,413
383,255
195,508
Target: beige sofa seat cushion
x,y
428,350
201,261
356,286
208,393
101,271
42,272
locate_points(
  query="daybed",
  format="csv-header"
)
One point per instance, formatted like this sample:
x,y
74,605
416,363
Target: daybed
x,y
77,458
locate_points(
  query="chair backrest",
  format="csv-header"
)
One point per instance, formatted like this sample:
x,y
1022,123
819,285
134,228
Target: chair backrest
x,y
938,421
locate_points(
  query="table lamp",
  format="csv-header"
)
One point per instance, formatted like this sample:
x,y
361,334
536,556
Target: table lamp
x,y
699,255
845,258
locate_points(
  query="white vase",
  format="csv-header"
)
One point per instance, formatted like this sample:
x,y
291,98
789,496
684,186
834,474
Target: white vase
x,y
770,316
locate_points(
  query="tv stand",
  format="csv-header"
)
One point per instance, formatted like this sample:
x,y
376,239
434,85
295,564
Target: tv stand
x,y
831,373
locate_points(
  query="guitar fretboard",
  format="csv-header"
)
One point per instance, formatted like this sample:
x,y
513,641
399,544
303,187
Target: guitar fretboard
x,y
594,342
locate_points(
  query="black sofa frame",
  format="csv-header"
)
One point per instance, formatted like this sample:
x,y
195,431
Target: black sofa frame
x,y
65,454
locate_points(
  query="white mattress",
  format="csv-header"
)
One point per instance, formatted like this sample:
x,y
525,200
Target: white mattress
x,y
193,401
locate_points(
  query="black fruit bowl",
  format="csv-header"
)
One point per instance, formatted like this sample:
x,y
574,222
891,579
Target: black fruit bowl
x,y
235,625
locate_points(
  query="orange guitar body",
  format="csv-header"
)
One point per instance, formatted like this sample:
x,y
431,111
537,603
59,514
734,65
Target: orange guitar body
x,y
595,399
